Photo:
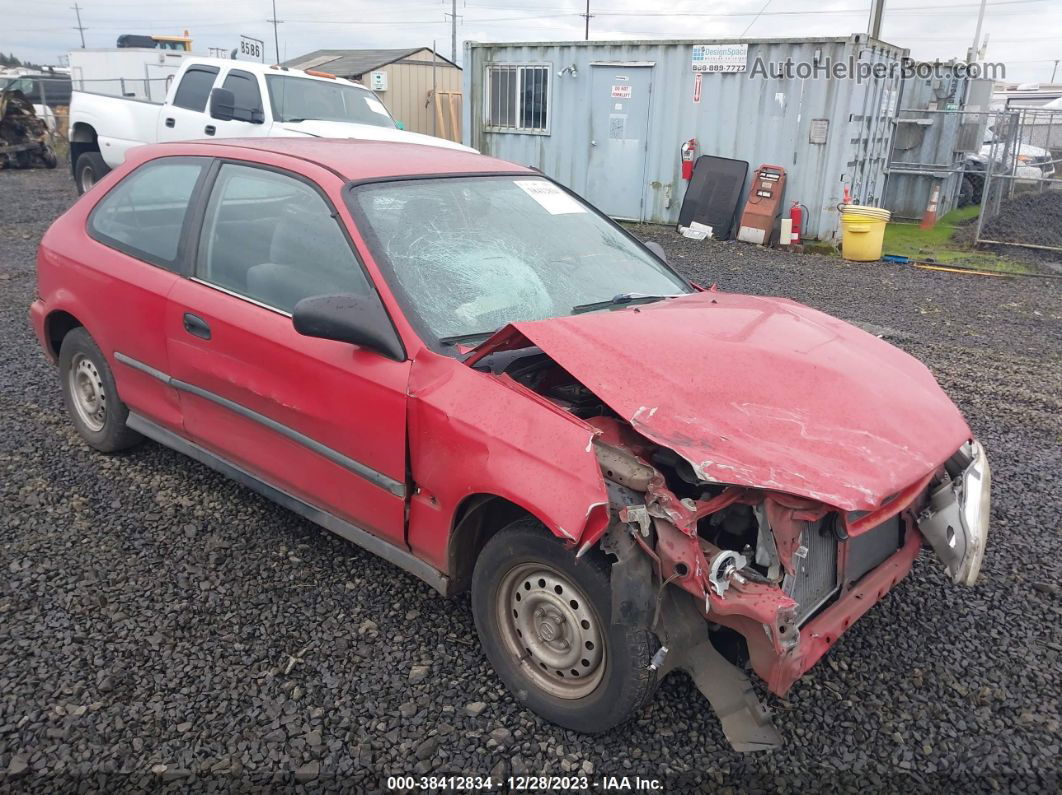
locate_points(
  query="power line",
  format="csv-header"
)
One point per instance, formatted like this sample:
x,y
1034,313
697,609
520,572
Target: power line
x,y
80,28
753,22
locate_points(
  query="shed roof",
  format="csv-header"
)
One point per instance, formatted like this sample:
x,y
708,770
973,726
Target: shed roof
x,y
346,63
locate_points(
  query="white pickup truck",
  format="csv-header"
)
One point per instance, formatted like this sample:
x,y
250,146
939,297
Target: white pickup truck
x,y
211,97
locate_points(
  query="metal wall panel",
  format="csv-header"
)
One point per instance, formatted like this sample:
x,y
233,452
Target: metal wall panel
x,y
747,116
940,117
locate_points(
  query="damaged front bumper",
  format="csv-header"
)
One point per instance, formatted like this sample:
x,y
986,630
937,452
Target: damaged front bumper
x,y
872,552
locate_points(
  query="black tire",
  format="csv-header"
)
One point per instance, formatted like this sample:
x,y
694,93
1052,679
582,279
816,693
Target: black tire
x,y
48,157
89,170
81,361
971,189
621,681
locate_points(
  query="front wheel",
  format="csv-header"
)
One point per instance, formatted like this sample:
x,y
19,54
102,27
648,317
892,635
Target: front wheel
x,y
544,619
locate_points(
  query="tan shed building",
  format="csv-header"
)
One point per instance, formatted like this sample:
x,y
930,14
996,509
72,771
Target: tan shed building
x,y
403,80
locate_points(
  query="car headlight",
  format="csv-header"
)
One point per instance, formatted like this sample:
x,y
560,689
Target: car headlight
x,y
955,522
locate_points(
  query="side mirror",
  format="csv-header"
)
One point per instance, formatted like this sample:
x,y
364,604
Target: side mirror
x,y
657,249
222,104
357,319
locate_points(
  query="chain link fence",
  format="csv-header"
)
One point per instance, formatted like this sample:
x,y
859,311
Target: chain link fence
x,y
1021,198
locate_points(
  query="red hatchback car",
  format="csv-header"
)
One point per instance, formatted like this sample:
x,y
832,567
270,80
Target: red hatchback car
x,y
461,366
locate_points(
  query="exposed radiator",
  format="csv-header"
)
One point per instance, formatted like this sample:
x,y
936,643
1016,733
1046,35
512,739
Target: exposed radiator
x,y
815,561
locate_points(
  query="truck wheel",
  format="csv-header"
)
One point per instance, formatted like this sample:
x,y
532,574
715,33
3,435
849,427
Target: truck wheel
x,y
90,169
545,621
91,396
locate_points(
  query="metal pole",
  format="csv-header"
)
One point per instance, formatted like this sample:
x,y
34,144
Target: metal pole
x,y
877,9
276,36
453,34
977,33
587,15
80,29
434,91
1054,70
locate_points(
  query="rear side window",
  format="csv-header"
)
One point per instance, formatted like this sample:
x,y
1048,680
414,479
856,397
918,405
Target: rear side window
x,y
143,215
244,88
194,89
272,238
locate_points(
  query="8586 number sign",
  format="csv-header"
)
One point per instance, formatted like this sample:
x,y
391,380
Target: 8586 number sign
x,y
252,48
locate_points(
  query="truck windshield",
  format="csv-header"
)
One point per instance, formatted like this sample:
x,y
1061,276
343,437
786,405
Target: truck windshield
x,y
296,99
468,255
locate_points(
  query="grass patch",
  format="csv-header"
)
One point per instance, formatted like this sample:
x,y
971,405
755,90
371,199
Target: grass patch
x,y
939,244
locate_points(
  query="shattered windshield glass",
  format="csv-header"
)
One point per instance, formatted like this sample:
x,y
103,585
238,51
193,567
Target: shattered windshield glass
x,y
470,255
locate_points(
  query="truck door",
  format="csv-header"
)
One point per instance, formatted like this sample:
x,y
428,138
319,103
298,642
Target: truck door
x,y
184,118
250,114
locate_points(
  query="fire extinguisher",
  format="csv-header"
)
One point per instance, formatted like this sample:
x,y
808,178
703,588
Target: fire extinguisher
x,y
689,154
796,214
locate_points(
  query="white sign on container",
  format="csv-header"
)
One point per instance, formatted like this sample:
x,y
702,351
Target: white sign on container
x,y
720,57
378,81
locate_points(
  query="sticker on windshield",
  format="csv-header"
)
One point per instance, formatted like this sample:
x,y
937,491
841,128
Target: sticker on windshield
x,y
553,199
377,106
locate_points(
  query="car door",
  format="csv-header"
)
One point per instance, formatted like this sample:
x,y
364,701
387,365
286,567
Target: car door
x,y
137,252
249,113
324,421
185,117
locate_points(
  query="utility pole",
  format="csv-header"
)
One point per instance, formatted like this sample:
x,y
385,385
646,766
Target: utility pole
x,y
586,16
276,37
1054,70
80,28
452,13
877,9
972,56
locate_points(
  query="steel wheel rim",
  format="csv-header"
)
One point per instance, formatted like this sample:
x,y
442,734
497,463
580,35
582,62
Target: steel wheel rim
x,y
552,630
87,392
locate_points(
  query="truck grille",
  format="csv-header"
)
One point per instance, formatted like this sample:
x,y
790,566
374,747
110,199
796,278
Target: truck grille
x,y
815,561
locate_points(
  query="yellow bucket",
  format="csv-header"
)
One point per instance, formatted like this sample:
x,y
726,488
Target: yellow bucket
x,y
863,232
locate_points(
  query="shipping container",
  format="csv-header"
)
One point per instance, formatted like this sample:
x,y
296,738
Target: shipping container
x,y
942,118
608,118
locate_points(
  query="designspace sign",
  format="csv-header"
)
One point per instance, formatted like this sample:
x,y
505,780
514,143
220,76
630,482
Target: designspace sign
x,y
720,57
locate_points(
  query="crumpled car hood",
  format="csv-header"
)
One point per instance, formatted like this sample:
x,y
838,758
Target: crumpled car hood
x,y
760,392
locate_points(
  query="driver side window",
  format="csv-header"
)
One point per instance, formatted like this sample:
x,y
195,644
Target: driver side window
x,y
271,238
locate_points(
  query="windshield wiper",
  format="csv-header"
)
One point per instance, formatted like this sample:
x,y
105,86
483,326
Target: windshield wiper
x,y
623,299
461,339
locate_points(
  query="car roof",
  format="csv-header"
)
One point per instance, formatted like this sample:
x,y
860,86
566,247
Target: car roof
x,y
358,159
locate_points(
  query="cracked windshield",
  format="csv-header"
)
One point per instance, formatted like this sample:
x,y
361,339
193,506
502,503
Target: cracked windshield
x,y
471,255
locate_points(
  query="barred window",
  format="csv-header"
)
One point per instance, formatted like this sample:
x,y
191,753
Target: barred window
x,y
518,97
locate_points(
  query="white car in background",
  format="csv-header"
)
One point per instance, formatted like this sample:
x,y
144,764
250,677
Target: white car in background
x,y
217,98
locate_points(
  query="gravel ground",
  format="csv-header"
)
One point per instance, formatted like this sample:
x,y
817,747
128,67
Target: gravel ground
x,y
163,628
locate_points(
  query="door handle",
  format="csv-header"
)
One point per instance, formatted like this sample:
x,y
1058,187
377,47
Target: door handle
x,y
169,122
209,129
196,326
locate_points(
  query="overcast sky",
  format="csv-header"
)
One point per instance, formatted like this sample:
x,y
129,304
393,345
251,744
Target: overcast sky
x,y
1024,34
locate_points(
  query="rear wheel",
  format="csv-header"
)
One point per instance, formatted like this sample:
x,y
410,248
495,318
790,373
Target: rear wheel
x,y
89,170
544,619
91,396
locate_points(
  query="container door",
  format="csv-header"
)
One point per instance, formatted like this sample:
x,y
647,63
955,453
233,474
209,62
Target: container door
x,y
618,131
